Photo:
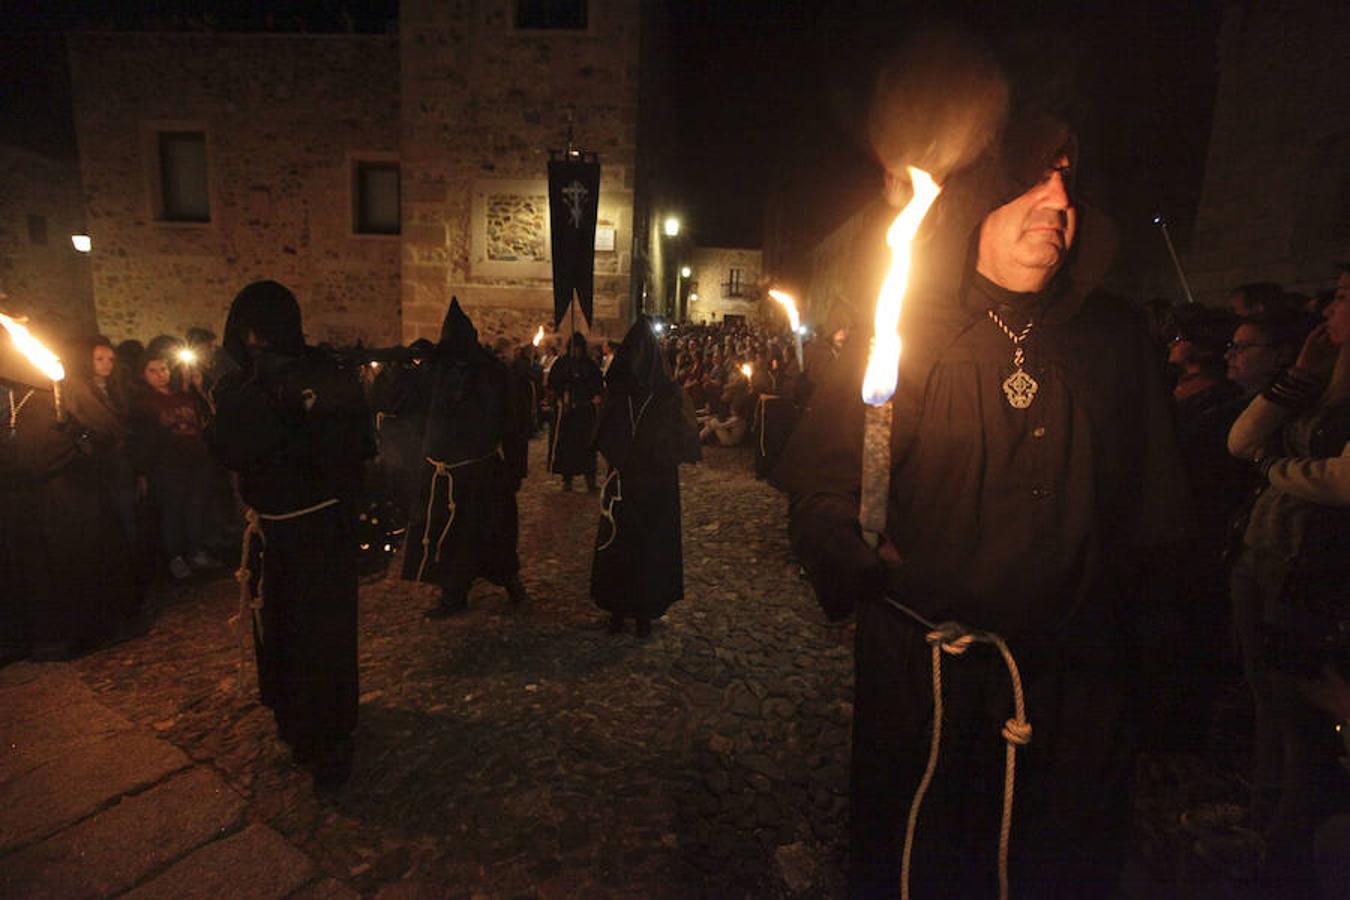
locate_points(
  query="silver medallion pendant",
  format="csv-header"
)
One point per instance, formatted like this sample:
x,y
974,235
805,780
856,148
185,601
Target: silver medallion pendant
x,y
1020,389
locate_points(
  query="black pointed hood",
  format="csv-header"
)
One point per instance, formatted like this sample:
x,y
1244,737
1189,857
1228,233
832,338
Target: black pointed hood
x,y
270,311
459,339
638,364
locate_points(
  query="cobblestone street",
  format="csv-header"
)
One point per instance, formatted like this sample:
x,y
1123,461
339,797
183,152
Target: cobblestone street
x,y
528,752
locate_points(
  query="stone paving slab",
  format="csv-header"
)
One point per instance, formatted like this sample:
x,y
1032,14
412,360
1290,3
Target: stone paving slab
x,y
326,889
80,779
126,843
256,863
46,714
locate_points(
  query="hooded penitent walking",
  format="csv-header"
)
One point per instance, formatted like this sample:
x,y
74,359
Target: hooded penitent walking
x,y
465,525
294,426
646,429
576,384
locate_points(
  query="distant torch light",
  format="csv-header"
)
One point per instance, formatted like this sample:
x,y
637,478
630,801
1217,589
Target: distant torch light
x,y
685,271
803,330
693,297
672,226
81,242
658,327
747,371
187,357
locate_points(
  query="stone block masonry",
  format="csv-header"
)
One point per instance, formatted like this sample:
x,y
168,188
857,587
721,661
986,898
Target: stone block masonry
x,y
284,117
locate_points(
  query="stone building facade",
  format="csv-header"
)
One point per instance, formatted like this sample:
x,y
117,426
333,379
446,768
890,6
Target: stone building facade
x,y
284,118
459,112
42,275
1276,199
724,282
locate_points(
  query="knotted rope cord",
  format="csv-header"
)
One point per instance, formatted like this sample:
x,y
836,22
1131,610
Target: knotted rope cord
x,y
608,500
760,420
251,603
14,408
441,469
955,638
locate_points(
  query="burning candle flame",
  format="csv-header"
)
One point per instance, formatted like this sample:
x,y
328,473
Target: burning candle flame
x,y
538,336
746,370
789,306
45,360
883,364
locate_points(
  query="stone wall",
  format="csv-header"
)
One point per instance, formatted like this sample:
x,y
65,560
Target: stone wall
x,y
41,272
1276,199
711,279
483,103
284,117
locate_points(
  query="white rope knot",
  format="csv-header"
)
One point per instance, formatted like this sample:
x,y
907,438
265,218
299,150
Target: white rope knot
x,y
955,639
441,469
607,501
1017,732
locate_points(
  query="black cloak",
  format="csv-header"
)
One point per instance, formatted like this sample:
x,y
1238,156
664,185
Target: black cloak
x,y
294,426
1028,522
646,429
574,380
465,522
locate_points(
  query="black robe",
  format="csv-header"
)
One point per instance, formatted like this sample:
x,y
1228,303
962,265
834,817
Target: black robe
x,y
1033,523
465,523
68,582
574,381
295,427
647,428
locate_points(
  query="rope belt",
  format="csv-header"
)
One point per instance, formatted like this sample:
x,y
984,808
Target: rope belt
x,y
250,602
440,469
955,639
761,419
607,502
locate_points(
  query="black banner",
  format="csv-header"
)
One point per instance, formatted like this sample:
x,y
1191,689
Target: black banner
x,y
573,199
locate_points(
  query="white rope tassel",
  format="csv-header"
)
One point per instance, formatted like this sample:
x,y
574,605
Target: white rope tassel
x,y
956,639
607,502
440,469
250,602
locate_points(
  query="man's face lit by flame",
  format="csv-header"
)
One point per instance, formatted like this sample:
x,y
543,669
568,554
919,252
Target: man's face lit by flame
x,y
1024,242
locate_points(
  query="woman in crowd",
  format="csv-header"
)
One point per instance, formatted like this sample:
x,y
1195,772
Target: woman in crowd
x,y
173,459
1291,588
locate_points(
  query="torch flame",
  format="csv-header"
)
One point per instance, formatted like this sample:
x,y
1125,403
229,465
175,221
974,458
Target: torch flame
x,y
746,370
538,336
45,360
883,364
789,306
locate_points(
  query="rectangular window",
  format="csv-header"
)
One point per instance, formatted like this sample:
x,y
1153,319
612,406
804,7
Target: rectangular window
x,y
734,283
37,230
183,194
566,15
375,198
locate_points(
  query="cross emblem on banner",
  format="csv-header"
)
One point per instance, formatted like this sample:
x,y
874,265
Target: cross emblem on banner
x,y
576,194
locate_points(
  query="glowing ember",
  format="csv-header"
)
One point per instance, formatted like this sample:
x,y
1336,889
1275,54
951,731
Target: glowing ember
x,y
746,370
883,363
538,336
45,360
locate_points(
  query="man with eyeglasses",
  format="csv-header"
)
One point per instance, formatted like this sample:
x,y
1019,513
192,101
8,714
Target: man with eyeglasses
x,y
1263,346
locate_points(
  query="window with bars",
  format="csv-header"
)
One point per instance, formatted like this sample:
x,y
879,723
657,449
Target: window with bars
x,y
734,288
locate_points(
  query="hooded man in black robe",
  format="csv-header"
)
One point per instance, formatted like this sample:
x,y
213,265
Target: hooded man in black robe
x,y
646,429
1034,467
67,586
295,428
577,385
465,524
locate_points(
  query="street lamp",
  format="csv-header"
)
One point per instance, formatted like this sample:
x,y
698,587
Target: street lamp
x,y
672,226
684,273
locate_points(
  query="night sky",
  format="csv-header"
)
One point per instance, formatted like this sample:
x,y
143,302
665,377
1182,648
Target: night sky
x,y
769,95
